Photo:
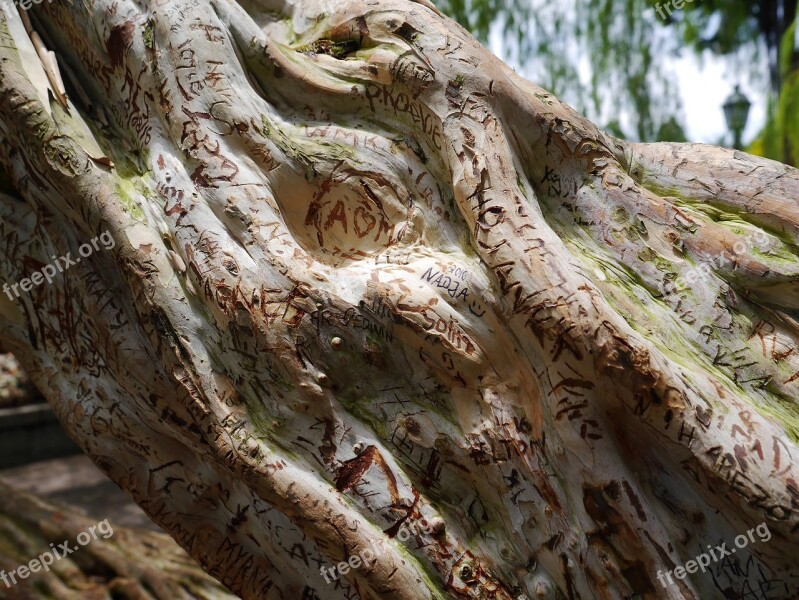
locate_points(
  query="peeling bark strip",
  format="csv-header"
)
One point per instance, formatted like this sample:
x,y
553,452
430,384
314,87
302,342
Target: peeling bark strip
x,y
366,277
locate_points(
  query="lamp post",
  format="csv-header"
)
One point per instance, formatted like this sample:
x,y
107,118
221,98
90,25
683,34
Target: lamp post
x,y
736,111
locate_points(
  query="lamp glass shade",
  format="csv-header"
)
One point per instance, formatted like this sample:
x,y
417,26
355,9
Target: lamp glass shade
x,y
736,110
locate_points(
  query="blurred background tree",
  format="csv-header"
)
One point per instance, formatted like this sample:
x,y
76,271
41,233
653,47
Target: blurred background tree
x,y
612,57
780,137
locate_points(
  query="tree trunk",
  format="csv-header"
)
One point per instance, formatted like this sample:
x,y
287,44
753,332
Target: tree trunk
x,y
105,561
369,290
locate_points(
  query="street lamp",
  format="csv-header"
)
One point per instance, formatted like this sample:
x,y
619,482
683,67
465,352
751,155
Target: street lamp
x,y
736,111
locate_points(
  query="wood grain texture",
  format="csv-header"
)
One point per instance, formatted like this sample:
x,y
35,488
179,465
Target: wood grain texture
x,y
365,275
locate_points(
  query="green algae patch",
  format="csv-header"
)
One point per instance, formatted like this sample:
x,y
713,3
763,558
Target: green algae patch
x,y
129,191
337,49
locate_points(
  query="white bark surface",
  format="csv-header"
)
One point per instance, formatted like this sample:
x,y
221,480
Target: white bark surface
x,y
365,277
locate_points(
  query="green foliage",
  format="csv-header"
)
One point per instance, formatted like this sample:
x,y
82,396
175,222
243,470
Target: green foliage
x,y
671,131
779,139
478,16
722,26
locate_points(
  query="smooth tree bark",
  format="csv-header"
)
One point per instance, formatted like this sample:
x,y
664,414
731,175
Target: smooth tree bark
x,y
366,279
